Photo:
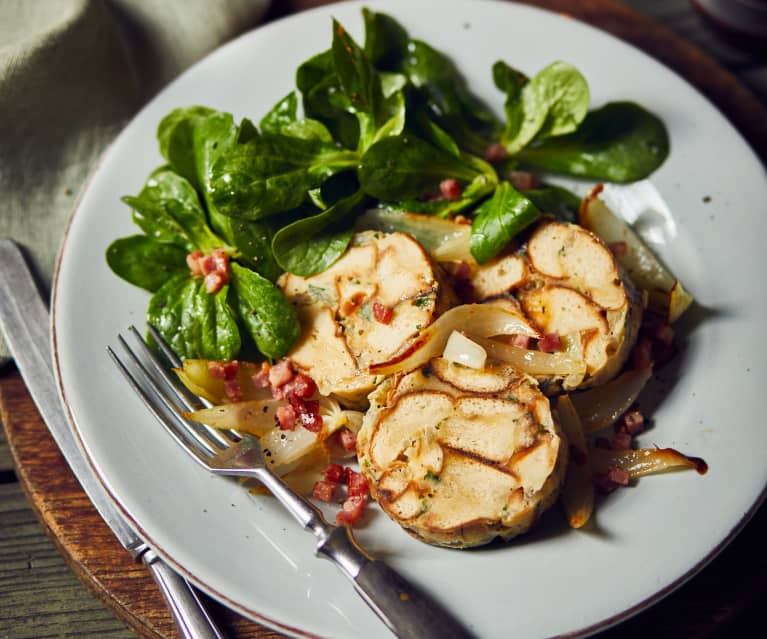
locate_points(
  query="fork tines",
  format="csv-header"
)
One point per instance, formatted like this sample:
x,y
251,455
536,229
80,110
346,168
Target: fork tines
x,y
149,374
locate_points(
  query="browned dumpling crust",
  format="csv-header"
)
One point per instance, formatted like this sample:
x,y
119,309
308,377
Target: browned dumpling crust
x,y
576,289
459,456
375,298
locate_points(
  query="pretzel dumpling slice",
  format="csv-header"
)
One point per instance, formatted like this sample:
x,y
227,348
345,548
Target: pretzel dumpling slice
x,y
577,287
458,456
361,311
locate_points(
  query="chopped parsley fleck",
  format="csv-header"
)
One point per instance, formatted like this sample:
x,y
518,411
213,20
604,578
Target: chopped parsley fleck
x,y
422,301
431,476
366,311
320,294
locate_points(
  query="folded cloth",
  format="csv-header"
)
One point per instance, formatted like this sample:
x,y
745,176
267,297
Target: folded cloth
x,y
72,72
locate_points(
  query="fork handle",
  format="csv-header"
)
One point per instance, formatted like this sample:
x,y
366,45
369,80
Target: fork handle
x,y
406,610
189,613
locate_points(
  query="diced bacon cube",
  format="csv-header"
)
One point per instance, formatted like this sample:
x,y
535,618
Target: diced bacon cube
x,y
633,422
193,262
301,386
214,282
550,343
261,378
207,264
356,484
382,313
216,369
524,180
603,483
495,153
519,340
334,473
351,511
281,373
450,189
618,476
348,439
323,490
286,417
233,390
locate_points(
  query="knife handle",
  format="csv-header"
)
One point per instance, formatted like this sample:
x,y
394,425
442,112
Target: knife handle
x,y
188,611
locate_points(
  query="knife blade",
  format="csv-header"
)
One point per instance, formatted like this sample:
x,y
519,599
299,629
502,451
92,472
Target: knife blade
x,y
25,323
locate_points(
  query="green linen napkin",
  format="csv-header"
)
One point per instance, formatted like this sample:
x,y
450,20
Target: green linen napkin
x,y
72,73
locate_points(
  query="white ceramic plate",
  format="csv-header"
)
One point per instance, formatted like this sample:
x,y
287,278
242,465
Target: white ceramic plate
x,y
647,539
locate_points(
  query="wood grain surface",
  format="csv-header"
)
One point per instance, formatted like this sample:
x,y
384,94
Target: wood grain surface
x,y
719,602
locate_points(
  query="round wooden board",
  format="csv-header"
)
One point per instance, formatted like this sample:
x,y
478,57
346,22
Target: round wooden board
x,y
726,590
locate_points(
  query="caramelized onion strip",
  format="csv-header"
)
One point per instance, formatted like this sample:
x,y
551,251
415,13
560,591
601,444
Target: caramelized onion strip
x,y
578,489
533,362
645,461
601,406
476,320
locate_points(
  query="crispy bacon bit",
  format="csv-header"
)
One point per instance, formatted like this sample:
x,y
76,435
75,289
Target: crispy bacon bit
x,y
281,373
214,282
301,386
351,511
633,422
495,153
618,475
213,267
193,262
462,271
450,189
223,370
348,439
618,249
356,484
519,340
334,473
382,313
261,379
323,490
550,343
286,416
233,390
310,415
524,180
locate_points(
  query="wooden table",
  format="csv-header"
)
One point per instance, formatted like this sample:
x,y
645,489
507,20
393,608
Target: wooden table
x,y
41,597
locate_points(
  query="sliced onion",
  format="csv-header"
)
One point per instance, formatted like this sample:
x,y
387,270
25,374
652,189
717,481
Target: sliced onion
x,y
461,350
601,406
254,417
533,362
446,241
196,376
283,447
335,418
578,489
667,296
478,320
645,461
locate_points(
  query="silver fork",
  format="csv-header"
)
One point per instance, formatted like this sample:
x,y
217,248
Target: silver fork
x,y
406,610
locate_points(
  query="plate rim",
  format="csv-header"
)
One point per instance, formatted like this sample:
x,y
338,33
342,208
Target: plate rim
x,y
252,614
